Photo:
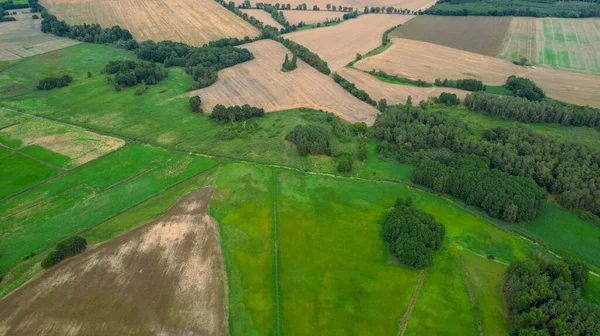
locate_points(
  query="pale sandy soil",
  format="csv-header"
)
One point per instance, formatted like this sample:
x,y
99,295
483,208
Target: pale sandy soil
x,y
260,83
166,277
426,61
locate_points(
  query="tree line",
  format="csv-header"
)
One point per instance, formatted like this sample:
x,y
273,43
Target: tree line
x,y
544,298
306,55
569,170
351,87
310,139
521,109
533,8
467,84
50,83
469,178
413,235
234,113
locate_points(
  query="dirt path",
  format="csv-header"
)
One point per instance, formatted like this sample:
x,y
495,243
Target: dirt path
x,y
472,298
165,277
413,302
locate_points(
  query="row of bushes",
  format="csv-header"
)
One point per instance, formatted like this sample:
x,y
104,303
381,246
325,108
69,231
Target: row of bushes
x,y
50,83
235,113
399,79
351,87
467,84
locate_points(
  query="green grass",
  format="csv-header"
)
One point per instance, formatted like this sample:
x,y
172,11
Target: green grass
x,y
486,277
4,152
564,232
373,168
47,155
18,173
591,291
443,306
499,90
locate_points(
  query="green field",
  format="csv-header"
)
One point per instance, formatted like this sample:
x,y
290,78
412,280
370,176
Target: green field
x,y
18,173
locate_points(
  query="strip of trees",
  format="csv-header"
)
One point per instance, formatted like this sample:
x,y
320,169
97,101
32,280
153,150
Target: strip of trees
x,y
306,55
412,235
50,83
310,139
235,113
64,249
521,109
569,170
469,178
543,298
467,84
351,87
534,8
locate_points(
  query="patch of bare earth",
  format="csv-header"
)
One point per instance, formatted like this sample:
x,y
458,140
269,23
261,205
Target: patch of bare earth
x,y
339,44
260,82
427,61
191,21
263,17
166,277
394,93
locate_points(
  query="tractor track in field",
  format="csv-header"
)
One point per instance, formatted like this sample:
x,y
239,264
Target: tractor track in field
x,y
411,306
472,298
276,255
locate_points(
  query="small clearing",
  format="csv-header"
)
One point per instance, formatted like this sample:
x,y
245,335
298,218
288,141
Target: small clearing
x,y
309,16
262,16
478,34
261,83
394,93
24,38
78,144
191,21
339,44
427,61
165,277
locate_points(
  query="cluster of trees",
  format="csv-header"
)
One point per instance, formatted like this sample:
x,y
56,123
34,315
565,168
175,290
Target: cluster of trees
x,y
448,99
235,113
543,298
64,249
569,170
50,83
202,63
469,178
412,235
289,65
534,8
383,74
351,87
306,55
524,87
521,109
310,139
129,73
463,84
195,103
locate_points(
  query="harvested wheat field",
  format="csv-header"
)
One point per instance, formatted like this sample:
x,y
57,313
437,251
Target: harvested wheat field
x,y
261,83
263,17
413,5
24,38
166,277
191,21
478,34
394,93
339,44
310,16
427,61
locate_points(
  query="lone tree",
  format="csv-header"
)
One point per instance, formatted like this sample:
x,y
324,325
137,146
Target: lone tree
x,y
195,102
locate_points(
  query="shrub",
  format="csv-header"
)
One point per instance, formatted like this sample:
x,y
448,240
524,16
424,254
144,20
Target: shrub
x,y
310,140
35,17
89,74
195,102
449,99
345,163
52,259
412,235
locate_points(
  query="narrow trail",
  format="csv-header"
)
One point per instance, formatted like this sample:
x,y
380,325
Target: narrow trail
x,y
276,254
404,321
472,298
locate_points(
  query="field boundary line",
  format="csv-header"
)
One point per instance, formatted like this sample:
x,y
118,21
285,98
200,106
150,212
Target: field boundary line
x,y
276,254
471,297
11,125
60,169
411,306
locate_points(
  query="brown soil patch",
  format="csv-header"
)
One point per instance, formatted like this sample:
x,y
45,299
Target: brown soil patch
x,y
427,61
191,21
309,16
413,302
263,17
394,93
339,44
413,5
261,83
478,34
164,278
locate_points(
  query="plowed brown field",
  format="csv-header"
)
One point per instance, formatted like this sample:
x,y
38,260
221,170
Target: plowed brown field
x,y
164,278
393,93
260,83
339,44
262,16
191,21
427,61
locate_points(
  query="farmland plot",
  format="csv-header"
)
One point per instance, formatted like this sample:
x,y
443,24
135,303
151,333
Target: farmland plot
x,y
309,16
520,40
262,16
426,61
339,44
177,258
24,38
260,83
189,21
